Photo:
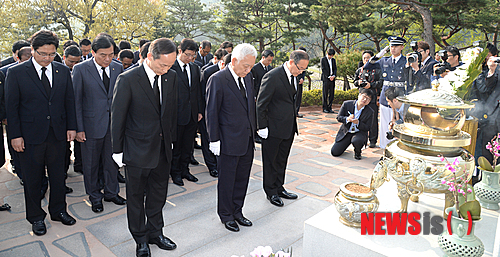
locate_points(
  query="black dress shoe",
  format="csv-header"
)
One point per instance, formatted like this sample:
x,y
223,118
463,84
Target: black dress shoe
x,y
373,145
118,200
244,221
231,226
300,116
214,173
64,218
69,190
178,181
357,156
194,161
142,250
197,146
5,207
97,207
121,178
326,111
39,228
190,177
275,200
163,242
287,195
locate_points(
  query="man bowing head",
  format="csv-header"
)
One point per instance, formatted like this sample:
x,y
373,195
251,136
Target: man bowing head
x,y
230,118
143,124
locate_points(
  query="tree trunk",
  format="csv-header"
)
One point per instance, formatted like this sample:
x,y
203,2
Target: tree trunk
x,y
346,84
428,23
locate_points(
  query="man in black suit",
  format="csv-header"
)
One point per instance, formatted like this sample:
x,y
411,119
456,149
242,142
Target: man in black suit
x,y
228,46
15,49
356,118
41,114
277,123
210,159
230,117
204,56
85,46
137,54
94,81
23,55
189,110
143,126
328,74
261,68
422,71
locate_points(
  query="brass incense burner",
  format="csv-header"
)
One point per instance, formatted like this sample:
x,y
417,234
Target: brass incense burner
x,y
431,128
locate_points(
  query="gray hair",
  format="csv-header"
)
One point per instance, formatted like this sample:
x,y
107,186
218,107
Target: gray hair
x,y
299,55
242,50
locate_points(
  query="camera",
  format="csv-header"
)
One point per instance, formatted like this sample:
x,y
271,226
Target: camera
x,y
415,56
389,135
444,66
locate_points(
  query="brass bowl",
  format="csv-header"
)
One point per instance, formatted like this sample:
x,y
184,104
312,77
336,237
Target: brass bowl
x,y
351,204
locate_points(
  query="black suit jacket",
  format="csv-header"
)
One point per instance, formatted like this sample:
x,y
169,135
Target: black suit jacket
x,y
276,104
7,61
365,119
137,121
205,75
230,119
422,78
207,65
258,73
189,97
30,111
202,63
325,68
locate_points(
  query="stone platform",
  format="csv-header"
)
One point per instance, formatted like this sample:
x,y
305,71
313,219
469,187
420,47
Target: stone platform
x,y
324,234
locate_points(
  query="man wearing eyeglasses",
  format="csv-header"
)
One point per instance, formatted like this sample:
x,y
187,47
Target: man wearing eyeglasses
x,y
204,56
41,113
189,110
453,59
277,123
422,71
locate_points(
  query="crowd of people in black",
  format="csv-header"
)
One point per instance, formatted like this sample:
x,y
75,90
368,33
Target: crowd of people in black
x,y
109,107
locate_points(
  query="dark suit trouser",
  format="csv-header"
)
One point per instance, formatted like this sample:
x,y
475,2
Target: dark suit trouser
x,y
94,149
328,94
14,155
356,139
234,173
209,157
275,153
50,153
77,152
373,133
181,155
145,217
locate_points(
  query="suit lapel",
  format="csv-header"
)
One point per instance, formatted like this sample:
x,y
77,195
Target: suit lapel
x,y
286,81
181,76
30,69
112,80
234,87
92,69
148,89
56,80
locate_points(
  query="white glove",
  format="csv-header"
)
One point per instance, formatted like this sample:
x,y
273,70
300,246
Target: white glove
x,y
215,147
381,53
118,158
264,133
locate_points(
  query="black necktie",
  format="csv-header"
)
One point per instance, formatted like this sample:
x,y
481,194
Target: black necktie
x,y
242,88
45,81
393,62
156,89
186,74
105,79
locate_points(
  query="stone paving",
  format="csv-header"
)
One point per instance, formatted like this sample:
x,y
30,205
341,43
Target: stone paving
x,y
190,212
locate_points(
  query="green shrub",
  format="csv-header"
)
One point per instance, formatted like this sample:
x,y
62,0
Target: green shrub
x,y
315,96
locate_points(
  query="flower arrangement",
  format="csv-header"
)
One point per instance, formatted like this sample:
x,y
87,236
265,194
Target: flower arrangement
x,y
459,81
494,147
267,251
458,186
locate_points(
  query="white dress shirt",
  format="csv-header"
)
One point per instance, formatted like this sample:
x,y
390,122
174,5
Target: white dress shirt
x,y
151,76
38,69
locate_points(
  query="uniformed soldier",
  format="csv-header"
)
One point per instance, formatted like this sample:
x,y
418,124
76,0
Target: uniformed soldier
x,y
394,74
